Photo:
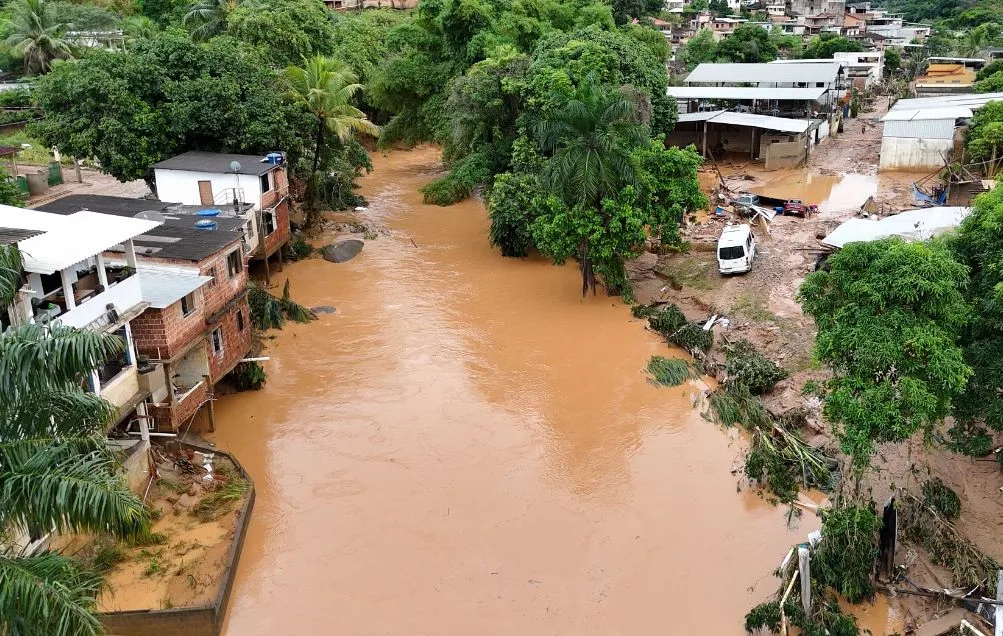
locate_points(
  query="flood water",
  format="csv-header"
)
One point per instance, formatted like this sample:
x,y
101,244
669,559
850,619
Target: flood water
x,y
469,447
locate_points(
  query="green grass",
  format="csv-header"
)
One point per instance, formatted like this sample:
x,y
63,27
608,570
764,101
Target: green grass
x,y
108,555
222,500
38,154
669,371
754,308
697,270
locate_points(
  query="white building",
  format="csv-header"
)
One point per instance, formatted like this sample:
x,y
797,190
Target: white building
x,y
919,134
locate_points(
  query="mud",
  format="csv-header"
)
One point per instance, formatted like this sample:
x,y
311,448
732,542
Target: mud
x,y
468,446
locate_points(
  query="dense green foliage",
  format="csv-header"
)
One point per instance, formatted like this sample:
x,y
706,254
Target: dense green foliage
x,y
747,366
828,44
36,35
56,471
749,43
942,499
669,371
889,316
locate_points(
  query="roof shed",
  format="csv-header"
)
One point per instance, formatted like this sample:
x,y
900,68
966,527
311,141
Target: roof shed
x,y
746,92
764,73
217,163
913,225
163,287
749,120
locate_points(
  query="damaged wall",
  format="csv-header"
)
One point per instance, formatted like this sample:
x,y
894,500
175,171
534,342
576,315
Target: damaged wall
x,y
781,156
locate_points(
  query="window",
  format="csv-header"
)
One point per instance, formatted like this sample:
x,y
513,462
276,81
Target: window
x,y
234,263
731,253
268,220
212,273
217,341
240,320
188,304
266,182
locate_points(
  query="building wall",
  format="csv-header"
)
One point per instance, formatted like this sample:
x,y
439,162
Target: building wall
x,y
222,289
182,186
922,129
780,156
165,333
278,238
236,340
122,388
903,153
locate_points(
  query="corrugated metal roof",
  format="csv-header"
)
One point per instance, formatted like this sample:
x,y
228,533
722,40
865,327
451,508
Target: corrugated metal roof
x,y
744,92
913,225
920,129
916,114
10,235
68,239
749,120
970,100
162,287
764,73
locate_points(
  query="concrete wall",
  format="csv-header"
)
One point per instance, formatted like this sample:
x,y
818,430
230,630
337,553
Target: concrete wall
x,y
136,467
784,155
182,186
189,621
902,153
122,387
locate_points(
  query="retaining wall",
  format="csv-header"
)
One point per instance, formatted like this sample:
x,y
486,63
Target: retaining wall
x,y
190,621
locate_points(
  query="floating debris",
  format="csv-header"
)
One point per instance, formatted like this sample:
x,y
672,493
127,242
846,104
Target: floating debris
x,y
323,309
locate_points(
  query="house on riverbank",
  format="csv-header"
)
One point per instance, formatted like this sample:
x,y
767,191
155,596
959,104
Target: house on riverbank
x,y
248,187
196,325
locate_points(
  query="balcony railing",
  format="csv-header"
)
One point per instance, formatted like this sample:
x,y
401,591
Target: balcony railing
x,y
122,296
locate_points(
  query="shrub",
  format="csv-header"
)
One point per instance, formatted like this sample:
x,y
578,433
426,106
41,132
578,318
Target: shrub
x,y
669,371
248,376
938,496
667,321
692,337
746,365
733,405
846,557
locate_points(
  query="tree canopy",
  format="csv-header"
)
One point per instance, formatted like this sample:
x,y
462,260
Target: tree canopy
x,y
825,46
890,317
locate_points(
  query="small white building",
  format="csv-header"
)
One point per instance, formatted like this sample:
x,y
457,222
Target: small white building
x,y
919,134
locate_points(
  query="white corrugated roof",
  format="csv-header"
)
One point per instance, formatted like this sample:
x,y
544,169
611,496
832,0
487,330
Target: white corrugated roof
x,y
745,92
913,225
164,287
970,100
763,73
919,114
748,119
69,239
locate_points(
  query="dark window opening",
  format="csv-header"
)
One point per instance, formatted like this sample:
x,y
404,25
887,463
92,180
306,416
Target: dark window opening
x,y
234,263
240,320
731,253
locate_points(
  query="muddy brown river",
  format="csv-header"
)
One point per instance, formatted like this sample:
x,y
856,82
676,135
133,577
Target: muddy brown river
x,y
469,447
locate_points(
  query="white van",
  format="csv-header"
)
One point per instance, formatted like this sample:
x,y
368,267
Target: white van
x,y
735,249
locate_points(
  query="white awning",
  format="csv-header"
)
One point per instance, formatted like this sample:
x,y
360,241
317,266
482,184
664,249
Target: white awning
x,y
164,287
746,92
968,100
913,225
749,120
69,239
914,114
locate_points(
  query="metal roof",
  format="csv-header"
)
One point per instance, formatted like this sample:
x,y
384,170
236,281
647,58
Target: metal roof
x,y
163,287
913,225
919,114
971,100
69,239
11,235
749,120
743,92
763,73
216,163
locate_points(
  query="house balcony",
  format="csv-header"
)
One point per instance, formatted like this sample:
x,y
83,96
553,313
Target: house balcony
x,y
93,306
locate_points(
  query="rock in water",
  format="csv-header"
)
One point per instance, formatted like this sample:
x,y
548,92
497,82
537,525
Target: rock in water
x,y
323,309
343,250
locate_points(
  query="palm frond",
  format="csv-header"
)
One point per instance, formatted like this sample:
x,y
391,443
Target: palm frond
x,y
36,357
47,594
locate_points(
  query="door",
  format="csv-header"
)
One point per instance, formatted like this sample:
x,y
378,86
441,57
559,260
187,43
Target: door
x,y
205,192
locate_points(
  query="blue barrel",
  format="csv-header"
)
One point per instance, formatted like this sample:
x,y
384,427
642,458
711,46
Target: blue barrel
x,y
209,212
205,224
274,158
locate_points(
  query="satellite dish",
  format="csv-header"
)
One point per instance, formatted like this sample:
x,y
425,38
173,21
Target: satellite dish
x,y
151,215
235,166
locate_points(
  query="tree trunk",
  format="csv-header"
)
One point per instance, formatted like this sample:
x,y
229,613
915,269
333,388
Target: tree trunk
x,y
588,275
311,194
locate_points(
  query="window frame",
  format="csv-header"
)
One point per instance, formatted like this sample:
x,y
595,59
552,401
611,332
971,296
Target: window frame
x,y
217,334
234,266
192,308
240,320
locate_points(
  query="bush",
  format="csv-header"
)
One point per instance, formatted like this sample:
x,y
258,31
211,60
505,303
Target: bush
x,y
248,376
299,248
669,371
733,405
846,557
746,365
692,337
513,208
456,186
667,321
938,496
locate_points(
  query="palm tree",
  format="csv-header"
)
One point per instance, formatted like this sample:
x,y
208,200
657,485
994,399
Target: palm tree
x,y
56,473
974,43
36,36
325,87
592,137
207,18
139,27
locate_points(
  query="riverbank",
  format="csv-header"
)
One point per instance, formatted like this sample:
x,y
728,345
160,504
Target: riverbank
x,y
466,444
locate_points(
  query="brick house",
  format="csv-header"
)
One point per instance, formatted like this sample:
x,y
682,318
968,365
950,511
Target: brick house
x,y
197,324
250,187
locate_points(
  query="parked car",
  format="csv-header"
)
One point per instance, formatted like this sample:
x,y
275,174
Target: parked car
x,y
797,207
736,249
745,199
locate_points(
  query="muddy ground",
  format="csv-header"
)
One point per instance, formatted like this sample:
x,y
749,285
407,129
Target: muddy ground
x,y
762,307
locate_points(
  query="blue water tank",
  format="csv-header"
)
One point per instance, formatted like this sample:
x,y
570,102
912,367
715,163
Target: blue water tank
x,y
274,158
205,224
209,212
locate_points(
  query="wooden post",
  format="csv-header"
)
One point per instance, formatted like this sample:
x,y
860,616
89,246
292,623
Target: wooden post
x,y
705,138
783,601
804,567
268,274
212,412
76,170
280,259
752,146
999,608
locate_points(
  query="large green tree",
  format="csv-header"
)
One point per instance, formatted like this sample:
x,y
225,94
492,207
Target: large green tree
x,y
668,187
56,472
890,315
984,141
591,138
324,87
36,35
979,245
825,46
289,30
168,95
749,43
208,18
700,48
